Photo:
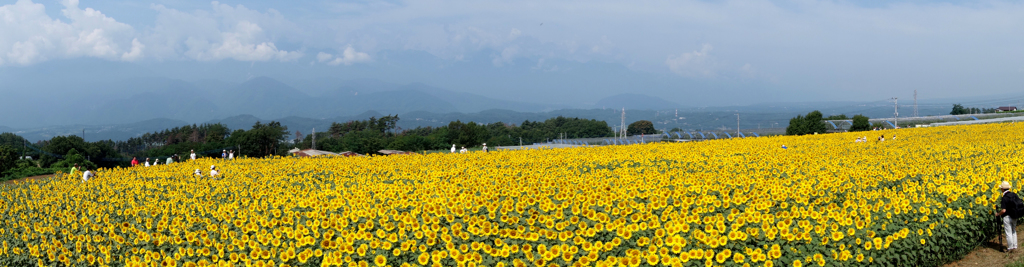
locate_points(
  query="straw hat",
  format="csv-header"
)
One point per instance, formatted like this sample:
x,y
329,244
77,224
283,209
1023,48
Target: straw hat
x,y
1004,185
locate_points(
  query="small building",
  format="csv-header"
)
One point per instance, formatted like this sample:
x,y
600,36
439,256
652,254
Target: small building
x,y
1003,109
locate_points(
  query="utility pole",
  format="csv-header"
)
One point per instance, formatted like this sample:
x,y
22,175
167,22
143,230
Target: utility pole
x,y
737,124
896,111
915,103
314,138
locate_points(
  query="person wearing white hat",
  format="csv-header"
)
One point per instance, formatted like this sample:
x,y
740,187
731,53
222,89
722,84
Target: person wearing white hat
x,y
1009,212
198,173
453,148
193,155
485,147
213,171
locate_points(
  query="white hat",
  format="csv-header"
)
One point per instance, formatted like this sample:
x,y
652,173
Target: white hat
x,y
212,167
1004,185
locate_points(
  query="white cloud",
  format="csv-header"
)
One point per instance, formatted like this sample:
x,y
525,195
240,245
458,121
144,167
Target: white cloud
x,y
323,57
348,57
28,35
228,32
135,53
693,64
507,55
514,34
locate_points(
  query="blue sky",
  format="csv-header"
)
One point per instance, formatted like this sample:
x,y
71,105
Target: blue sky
x,y
690,52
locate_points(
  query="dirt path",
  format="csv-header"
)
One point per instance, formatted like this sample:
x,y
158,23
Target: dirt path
x,y
990,253
22,180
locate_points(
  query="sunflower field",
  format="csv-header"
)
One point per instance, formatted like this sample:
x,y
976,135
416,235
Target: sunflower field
x,y
923,199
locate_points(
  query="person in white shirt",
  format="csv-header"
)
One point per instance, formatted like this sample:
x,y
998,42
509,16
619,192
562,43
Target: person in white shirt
x,y
485,147
193,155
463,150
213,171
87,174
147,162
453,148
198,173
231,154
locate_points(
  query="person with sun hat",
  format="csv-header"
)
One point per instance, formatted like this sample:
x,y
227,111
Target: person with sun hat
x,y
1010,206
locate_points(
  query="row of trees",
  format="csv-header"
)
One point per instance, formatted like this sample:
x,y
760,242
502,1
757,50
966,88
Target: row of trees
x,y
369,136
960,109
18,158
265,139
813,123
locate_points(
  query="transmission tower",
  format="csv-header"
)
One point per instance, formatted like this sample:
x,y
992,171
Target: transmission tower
x,y
622,127
915,103
896,112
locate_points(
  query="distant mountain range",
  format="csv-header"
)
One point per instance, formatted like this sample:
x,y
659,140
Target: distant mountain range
x,y
754,118
140,99
635,101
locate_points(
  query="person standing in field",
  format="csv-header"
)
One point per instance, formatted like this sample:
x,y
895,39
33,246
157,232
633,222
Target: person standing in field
x,y
74,170
485,147
193,155
224,154
87,174
213,172
170,160
135,161
147,162
231,154
1009,205
453,148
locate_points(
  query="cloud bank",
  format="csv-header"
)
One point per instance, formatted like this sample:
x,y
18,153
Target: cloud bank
x,y
28,35
866,47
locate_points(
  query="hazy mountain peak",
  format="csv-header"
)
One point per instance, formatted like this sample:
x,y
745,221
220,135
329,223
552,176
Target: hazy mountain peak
x,y
635,101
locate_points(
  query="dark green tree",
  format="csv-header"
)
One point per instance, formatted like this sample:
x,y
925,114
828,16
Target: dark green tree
x,y
72,158
260,141
958,109
837,117
641,127
796,126
860,123
8,157
812,123
60,145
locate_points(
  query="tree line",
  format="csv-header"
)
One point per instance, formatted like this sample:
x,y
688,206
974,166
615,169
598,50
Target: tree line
x,y
814,122
267,139
370,136
960,110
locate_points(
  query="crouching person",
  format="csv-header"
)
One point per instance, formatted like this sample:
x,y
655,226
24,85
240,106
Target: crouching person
x,y
1011,207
